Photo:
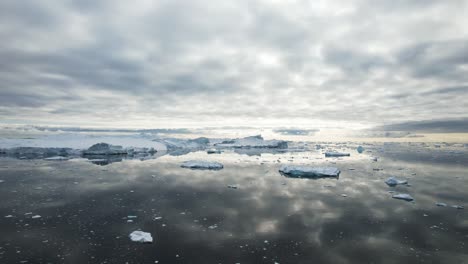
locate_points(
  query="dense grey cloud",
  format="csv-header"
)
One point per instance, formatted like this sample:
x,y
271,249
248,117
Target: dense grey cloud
x,y
186,63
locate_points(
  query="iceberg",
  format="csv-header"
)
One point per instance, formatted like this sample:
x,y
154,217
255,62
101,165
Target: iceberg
x,y
336,154
253,142
392,181
300,171
403,196
105,149
200,164
141,237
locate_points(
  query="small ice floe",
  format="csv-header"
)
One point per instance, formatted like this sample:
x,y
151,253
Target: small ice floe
x,y
213,226
35,216
457,206
360,149
200,164
8,216
141,237
1,181
57,158
403,196
392,181
344,195
309,171
336,154
441,204
233,186
157,218
132,216
213,151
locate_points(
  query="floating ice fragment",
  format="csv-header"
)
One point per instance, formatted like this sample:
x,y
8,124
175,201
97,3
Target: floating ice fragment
x,y
142,237
360,149
344,195
403,196
213,151
35,216
392,181
233,186
2,181
336,154
200,164
132,216
457,206
57,158
441,204
309,171
8,216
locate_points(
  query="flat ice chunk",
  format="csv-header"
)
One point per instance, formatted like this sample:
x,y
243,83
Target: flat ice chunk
x,y
201,164
457,206
309,171
141,237
35,216
403,196
336,154
392,181
57,158
441,204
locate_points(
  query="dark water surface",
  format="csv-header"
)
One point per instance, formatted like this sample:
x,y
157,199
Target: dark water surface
x,y
268,219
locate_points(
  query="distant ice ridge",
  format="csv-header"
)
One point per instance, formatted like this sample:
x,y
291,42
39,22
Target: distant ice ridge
x,y
108,149
253,142
309,171
201,164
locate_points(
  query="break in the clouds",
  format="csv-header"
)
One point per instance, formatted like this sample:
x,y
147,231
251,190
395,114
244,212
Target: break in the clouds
x,y
166,63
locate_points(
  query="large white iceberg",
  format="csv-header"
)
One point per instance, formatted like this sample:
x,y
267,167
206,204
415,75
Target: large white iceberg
x,y
336,154
253,142
403,196
309,171
201,164
141,237
392,181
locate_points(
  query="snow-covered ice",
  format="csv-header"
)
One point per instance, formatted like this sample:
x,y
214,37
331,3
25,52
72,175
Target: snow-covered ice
x,y
392,181
201,164
403,196
141,237
309,171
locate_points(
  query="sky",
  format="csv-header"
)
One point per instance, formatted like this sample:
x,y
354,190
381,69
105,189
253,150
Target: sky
x,y
350,63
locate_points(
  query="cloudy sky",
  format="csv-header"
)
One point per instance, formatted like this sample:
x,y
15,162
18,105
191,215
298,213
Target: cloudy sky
x,y
186,63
